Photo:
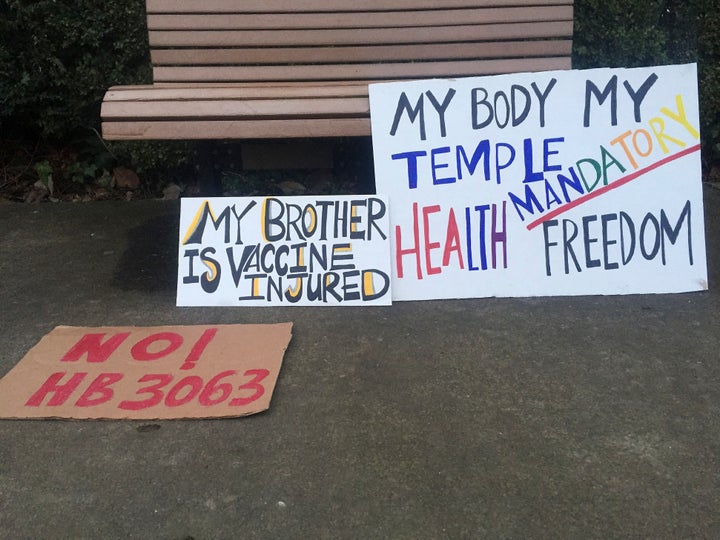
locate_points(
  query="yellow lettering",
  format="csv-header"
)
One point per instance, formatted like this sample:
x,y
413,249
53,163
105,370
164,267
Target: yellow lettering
x,y
681,117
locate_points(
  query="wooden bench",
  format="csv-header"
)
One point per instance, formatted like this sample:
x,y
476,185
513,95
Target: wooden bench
x,y
259,69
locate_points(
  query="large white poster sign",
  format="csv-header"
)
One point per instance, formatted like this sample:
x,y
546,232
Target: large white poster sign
x,y
262,251
554,183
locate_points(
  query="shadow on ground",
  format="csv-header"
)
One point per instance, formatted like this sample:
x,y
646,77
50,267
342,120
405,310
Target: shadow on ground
x,y
150,261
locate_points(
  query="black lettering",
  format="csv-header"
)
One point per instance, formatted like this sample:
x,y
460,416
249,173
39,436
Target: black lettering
x,y
191,277
404,106
376,211
589,261
627,220
269,220
604,220
475,102
239,217
542,97
519,119
567,245
210,280
673,233
609,91
349,289
649,255
197,234
548,243
441,107
637,97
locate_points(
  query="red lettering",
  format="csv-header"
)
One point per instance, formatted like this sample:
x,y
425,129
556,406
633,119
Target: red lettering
x,y
193,382
199,348
452,241
94,348
216,392
61,392
254,384
156,395
140,349
400,252
429,246
99,391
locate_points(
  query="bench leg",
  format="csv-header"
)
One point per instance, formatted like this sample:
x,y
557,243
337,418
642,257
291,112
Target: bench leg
x,y
208,177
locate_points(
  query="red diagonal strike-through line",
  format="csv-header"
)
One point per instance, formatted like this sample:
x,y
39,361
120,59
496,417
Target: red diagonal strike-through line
x,y
616,184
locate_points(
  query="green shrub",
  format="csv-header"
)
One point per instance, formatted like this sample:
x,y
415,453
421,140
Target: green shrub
x,y
58,57
709,73
57,60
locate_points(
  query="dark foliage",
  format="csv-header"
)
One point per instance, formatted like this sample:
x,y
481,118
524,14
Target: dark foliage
x,y
57,58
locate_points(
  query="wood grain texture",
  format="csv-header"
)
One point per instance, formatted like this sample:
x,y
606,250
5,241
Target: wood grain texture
x,y
236,129
299,6
417,70
375,19
359,54
312,107
203,92
301,68
358,36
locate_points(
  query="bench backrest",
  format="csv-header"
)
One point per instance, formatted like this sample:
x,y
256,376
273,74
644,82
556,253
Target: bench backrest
x,y
289,41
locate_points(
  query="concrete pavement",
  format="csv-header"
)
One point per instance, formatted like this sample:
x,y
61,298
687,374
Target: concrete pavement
x,y
588,417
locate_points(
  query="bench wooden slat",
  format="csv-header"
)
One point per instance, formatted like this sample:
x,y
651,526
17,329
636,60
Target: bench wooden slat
x,y
390,19
236,129
357,71
354,54
439,34
298,6
189,92
311,107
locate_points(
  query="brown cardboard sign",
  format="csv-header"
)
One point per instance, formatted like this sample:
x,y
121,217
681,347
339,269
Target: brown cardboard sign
x,y
147,373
